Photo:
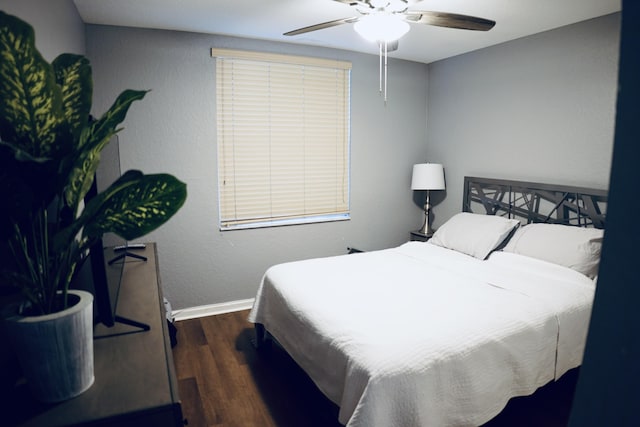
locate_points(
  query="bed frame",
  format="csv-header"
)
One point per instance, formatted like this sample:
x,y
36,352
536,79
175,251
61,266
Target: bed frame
x,y
535,202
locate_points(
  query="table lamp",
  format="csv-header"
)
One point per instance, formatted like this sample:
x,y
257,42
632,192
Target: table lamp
x,y
427,176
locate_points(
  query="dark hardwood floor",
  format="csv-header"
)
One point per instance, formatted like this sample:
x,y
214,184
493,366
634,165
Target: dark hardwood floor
x,y
224,381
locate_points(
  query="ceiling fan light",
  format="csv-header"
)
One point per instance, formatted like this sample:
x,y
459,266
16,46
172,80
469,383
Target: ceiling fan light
x,y
381,27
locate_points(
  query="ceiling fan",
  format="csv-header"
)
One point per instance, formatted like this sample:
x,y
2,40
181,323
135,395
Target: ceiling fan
x,y
378,13
386,21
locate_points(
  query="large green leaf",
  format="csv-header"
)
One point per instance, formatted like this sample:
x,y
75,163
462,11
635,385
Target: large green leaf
x,y
140,206
131,207
103,129
73,75
92,140
30,100
80,172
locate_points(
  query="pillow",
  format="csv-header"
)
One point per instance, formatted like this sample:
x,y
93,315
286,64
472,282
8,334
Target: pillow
x,y
474,234
574,247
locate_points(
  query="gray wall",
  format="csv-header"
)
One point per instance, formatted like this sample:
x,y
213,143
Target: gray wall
x,y
174,130
57,24
540,108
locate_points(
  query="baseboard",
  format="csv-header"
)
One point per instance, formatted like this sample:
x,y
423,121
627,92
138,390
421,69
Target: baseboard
x,y
212,309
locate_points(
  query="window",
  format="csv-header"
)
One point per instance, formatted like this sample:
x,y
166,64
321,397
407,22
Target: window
x,y
283,139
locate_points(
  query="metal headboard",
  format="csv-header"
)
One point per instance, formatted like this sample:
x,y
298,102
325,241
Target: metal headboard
x,y
534,202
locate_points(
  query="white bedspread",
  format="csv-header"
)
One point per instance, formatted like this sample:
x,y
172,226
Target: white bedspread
x,y
420,335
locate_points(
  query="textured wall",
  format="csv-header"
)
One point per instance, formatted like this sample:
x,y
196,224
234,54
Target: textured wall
x,y
540,108
174,130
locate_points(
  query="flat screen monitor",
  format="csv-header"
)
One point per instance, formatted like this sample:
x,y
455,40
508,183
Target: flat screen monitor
x,y
101,273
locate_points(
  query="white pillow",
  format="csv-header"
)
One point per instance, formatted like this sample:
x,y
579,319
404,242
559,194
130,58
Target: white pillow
x,y
474,234
574,247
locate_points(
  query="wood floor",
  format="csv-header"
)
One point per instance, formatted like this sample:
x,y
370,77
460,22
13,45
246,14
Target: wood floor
x,y
223,381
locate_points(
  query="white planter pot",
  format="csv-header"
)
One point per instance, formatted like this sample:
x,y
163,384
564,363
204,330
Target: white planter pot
x,y
56,350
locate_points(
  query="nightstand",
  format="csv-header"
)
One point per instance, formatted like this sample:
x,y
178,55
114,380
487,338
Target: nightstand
x,y
416,236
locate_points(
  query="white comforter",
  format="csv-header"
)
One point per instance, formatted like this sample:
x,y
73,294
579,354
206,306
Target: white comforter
x,y
420,335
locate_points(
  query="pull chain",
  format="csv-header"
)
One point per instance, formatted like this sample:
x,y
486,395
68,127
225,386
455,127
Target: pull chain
x,y
380,65
383,72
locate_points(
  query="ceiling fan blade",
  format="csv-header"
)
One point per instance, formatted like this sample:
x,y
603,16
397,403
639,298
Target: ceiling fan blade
x,y
449,20
321,26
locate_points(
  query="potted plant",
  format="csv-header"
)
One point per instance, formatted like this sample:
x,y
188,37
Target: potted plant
x,y
49,151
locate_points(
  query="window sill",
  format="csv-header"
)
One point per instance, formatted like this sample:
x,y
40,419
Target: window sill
x,y
285,222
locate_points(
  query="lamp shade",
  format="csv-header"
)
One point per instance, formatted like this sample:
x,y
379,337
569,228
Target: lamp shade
x,y
427,176
381,27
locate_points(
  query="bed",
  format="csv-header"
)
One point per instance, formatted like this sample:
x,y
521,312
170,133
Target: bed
x,y
445,332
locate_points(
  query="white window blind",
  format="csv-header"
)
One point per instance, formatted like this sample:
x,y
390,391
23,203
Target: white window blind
x,y
283,139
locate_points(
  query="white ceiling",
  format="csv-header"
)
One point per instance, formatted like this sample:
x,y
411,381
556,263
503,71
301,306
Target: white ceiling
x,y
269,19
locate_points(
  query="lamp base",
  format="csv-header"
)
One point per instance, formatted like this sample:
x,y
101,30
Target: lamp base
x,y
426,229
